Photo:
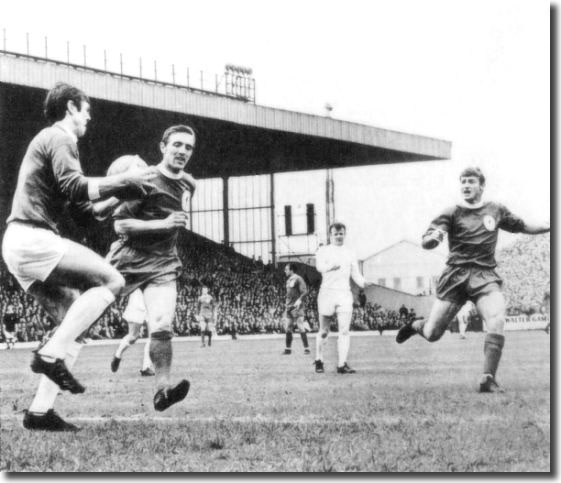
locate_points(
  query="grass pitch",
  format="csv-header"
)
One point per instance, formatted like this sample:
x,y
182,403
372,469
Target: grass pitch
x,y
410,408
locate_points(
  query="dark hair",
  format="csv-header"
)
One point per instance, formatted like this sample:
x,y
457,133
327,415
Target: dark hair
x,y
473,171
337,225
179,128
56,102
292,267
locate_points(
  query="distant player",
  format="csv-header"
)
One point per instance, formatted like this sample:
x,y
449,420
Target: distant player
x,y
473,229
10,321
338,265
146,253
206,308
55,269
135,316
464,316
296,290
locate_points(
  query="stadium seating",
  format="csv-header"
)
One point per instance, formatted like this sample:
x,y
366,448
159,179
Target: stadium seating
x,y
250,295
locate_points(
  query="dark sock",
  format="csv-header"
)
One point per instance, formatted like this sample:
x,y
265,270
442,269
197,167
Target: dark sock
x,y
288,339
209,338
161,356
492,350
304,337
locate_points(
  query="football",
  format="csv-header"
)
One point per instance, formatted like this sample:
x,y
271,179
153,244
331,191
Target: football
x,y
124,163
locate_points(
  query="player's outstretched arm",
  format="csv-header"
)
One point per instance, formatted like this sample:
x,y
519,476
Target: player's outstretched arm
x,y
536,228
101,210
129,226
356,275
432,238
132,184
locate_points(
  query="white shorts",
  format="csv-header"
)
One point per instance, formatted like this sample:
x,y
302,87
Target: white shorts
x,y
331,302
31,253
135,312
9,335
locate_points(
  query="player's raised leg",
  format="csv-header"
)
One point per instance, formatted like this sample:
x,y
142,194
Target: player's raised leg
x,y
160,303
78,267
492,309
432,329
41,415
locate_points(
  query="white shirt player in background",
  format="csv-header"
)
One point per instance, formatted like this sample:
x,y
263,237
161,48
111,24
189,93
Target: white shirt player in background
x,y
337,264
464,317
135,315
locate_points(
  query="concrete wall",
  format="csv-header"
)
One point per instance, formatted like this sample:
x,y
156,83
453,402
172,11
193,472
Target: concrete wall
x,y
393,299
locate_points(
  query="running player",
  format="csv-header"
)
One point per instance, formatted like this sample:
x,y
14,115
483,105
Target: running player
x,y
146,253
135,316
206,317
54,269
337,264
296,290
10,321
473,229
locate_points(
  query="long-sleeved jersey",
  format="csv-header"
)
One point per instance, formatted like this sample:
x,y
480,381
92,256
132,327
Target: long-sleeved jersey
x,y
49,176
331,255
473,232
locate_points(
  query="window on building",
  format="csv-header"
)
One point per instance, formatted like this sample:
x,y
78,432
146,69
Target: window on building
x,y
420,282
382,282
397,283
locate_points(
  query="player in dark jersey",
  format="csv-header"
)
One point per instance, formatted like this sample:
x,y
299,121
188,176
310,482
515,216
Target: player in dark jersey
x,y
146,253
72,283
473,229
10,321
206,316
296,290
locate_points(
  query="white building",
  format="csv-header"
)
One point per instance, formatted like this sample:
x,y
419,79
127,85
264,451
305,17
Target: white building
x,y
405,266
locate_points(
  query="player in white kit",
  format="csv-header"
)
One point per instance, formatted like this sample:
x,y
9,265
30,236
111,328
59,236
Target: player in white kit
x,y
337,264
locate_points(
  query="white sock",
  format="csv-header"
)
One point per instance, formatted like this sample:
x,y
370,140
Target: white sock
x,y
85,310
47,391
123,346
344,338
146,361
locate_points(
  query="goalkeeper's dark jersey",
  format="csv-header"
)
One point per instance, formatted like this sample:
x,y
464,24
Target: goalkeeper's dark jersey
x,y
473,232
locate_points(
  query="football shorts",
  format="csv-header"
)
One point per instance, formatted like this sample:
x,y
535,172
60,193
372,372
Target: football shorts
x,y
331,302
294,320
458,284
31,253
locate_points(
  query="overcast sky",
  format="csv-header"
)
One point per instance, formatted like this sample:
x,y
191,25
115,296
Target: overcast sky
x,y
475,73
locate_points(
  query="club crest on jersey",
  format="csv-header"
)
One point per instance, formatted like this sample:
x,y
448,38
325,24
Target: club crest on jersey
x,y
185,198
489,223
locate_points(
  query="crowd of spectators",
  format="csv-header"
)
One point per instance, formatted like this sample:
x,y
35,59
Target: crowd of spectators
x,y
525,269
250,295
